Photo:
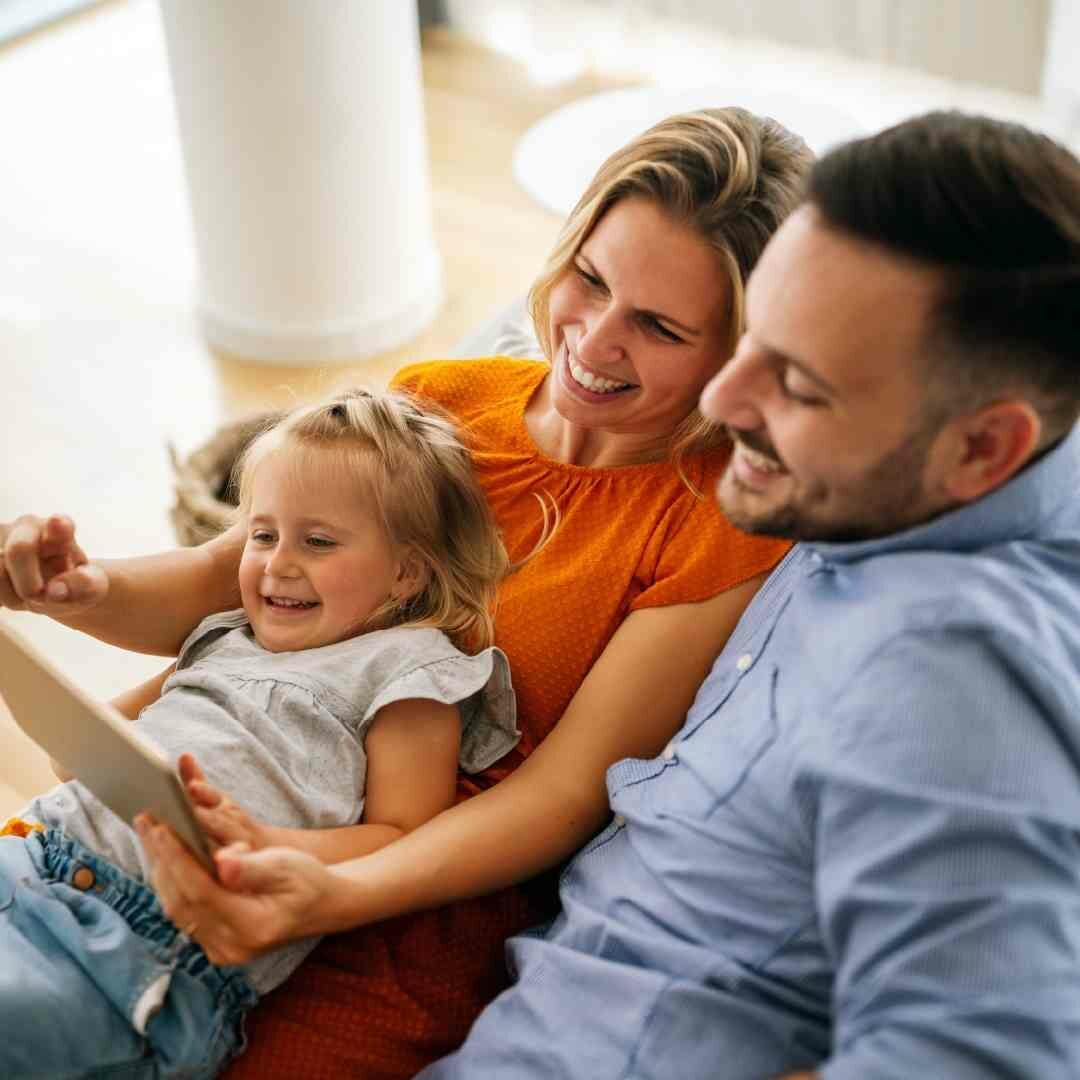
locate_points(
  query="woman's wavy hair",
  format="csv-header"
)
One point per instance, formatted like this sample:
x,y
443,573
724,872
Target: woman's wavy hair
x,y
409,462
729,175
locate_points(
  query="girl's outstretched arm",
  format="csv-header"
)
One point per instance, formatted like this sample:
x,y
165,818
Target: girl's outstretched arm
x,y
631,703
147,604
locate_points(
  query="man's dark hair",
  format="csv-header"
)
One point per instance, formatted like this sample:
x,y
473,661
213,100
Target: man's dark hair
x,y
996,208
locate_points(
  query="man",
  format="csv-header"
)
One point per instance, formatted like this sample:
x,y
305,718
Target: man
x,y
860,858
861,855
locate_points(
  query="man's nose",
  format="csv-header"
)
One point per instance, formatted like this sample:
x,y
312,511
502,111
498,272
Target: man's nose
x,y
732,396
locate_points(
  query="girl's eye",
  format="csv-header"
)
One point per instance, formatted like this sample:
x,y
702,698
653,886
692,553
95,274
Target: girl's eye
x,y
320,542
262,536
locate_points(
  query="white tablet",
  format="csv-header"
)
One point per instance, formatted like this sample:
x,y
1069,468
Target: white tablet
x,y
94,741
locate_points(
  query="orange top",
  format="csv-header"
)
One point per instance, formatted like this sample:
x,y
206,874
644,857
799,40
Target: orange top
x,y
629,537
383,1000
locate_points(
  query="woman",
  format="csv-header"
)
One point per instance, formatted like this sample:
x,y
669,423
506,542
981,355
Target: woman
x,y
609,628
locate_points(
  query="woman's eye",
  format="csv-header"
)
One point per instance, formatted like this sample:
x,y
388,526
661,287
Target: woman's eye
x,y
661,330
590,279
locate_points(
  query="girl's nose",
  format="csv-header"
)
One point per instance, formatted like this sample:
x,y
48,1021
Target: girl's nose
x,y
282,562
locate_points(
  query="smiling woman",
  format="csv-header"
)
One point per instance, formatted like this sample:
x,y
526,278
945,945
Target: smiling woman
x,y
609,628
639,325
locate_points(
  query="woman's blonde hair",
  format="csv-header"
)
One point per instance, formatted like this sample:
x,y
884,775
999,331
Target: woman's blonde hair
x,y
410,462
729,175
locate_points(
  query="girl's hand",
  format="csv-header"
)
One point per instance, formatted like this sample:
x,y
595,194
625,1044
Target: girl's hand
x,y
262,899
223,821
43,569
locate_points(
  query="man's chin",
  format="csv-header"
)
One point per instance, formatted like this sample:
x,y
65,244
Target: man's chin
x,y
734,503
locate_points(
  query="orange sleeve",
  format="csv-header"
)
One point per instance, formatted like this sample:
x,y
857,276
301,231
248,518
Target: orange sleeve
x,y
704,556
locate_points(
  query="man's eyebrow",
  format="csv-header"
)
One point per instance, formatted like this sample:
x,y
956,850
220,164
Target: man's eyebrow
x,y
590,266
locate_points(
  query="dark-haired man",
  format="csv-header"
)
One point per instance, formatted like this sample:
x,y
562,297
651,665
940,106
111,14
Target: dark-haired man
x,y
861,855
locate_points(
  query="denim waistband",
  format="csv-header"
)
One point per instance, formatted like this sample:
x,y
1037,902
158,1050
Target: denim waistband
x,y
60,857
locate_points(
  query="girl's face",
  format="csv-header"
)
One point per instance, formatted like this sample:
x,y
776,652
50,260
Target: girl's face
x,y
638,324
316,562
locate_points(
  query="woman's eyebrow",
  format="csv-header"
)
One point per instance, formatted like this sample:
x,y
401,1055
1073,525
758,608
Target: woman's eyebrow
x,y
590,266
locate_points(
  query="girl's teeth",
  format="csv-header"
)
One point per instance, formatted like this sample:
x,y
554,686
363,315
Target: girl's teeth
x,y
596,383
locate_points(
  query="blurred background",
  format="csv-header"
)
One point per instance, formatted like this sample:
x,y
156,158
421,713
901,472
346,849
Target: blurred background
x,y
209,209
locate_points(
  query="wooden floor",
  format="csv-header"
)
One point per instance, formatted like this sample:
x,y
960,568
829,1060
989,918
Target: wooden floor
x,y
100,361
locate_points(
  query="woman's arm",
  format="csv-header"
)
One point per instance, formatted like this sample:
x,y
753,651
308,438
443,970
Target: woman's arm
x,y
147,604
633,700
132,702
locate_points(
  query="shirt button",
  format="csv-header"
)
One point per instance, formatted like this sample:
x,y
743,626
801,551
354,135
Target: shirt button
x,y
618,821
744,661
83,878
668,753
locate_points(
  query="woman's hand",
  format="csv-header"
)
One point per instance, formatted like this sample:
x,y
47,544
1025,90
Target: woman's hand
x,y
262,899
223,821
43,569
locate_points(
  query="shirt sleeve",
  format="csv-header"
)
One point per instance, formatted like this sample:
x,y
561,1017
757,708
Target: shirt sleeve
x,y
479,684
701,557
948,867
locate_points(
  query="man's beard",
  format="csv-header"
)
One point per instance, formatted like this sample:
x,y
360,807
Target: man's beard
x,y
889,499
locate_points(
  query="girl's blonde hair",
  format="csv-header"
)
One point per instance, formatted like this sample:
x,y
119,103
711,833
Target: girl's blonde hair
x,y
729,175
411,463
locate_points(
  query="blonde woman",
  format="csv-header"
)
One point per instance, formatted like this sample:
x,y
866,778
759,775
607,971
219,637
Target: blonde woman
x,y
609,629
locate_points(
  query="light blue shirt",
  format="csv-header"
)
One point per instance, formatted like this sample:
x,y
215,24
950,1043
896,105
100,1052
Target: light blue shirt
x,y
862,852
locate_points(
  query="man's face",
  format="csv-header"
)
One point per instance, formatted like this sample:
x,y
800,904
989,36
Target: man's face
x,y
825,395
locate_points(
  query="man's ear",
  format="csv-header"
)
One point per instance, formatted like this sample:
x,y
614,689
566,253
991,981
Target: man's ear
x,y
986,448
413,574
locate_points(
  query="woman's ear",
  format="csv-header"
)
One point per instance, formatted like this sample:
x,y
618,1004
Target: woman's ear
x,y
988,447
412,576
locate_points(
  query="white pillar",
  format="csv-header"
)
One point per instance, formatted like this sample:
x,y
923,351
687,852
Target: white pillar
x,y
302,129
1061,72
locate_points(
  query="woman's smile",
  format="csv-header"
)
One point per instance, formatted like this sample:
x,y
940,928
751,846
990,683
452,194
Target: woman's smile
x,y
587,384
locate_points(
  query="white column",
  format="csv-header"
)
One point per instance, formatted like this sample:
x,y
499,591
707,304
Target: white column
x,y
1061,73
302,128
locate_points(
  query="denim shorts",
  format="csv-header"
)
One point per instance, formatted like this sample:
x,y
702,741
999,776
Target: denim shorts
x,y
94,979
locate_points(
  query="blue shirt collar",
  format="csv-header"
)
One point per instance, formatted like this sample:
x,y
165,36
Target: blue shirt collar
x,y
1018,509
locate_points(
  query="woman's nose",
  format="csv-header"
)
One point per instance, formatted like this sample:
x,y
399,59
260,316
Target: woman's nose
x,y
604,338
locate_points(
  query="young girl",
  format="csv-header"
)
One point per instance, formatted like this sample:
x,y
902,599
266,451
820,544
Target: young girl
x,y
348,688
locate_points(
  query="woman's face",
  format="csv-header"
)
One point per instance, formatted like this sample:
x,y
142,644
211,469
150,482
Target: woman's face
x,y
638,324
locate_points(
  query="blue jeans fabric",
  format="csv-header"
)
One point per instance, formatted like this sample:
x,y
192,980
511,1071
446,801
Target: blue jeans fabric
x,y
82,949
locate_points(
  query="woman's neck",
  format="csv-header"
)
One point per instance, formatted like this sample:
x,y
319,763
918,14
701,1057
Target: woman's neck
x,y
559,439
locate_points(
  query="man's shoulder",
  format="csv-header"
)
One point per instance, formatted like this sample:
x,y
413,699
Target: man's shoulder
x,y
1019,589
949,670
